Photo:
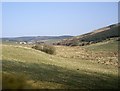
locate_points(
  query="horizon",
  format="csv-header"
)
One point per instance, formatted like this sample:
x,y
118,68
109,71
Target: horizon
x,y
37,36
56,19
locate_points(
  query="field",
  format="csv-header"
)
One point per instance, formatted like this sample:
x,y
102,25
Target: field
x,y
89,67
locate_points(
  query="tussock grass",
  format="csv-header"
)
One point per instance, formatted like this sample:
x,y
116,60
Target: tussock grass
x,y
104,53
14,81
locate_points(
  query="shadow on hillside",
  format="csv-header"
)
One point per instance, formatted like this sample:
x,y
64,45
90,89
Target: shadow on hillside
x,y
72,79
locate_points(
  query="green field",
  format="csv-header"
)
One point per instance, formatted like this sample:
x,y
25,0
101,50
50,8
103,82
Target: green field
x,y
88,67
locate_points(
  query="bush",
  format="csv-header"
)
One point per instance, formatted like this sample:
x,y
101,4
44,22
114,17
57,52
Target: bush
x,y
75,44
14,81
45,48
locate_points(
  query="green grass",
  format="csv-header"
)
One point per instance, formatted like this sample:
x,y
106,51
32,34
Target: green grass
x,y
66,69
104,46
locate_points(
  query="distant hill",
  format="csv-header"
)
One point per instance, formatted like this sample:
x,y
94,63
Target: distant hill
x,y
95,36
36,38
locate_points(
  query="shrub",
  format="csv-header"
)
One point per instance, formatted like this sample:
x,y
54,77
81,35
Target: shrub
x,y
75,44
45,48
14,81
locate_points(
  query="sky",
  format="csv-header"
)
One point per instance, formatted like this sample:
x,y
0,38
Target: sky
x,y
56,18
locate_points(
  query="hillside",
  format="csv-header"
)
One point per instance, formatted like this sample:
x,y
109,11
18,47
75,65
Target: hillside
x,y
72,67
98,35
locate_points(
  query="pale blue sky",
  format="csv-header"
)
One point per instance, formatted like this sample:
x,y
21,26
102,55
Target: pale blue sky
x,y
50,19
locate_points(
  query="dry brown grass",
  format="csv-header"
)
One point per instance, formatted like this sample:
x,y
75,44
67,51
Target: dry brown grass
x,y
104,57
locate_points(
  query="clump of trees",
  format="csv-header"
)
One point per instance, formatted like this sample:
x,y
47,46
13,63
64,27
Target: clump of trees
x,y
50,49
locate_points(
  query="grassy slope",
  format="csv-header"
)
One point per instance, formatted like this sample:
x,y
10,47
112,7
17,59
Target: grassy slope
x,y
67,69
110,46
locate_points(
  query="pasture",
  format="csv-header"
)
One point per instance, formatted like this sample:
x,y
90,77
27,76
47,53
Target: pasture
x,y
89,67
